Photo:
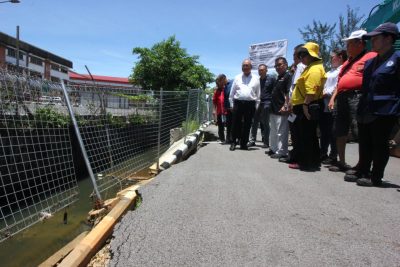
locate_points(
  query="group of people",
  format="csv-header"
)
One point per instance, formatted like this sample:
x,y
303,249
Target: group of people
x,y
361,93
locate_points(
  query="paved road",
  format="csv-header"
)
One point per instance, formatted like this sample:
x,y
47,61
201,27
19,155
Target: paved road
x,y
241,208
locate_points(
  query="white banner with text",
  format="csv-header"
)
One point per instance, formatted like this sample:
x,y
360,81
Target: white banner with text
x,y
266,53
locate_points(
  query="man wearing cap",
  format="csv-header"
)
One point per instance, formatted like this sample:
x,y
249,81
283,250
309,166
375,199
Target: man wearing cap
x,y
379,105
308,90
347,94
244,99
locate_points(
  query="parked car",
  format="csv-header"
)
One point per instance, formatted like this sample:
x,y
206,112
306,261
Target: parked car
x,y
57,100
45,99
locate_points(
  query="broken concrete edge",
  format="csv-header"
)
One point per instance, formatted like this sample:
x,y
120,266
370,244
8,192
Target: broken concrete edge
x,y
181,151
92,242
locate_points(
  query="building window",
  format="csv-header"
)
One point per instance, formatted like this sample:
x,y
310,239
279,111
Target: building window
x,y
64,70
12,53
35,74
55,79
36,61
55,67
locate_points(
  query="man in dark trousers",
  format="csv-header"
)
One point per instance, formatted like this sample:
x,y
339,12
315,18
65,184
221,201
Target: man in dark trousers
x,y
244,98
228,108
379,105
261,117
347,94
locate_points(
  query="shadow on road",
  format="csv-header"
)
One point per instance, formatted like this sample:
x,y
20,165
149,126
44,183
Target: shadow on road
x,y
390,185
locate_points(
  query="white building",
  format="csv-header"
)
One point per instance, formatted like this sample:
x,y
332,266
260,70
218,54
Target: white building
x,y
32,60
85,93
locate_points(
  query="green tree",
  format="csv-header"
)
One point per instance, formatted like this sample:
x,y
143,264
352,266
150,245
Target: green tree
x,y
328,37
348,24
323,34
166,65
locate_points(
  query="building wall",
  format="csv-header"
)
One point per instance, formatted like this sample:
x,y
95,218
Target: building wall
x,y
47,69
44,69
2,56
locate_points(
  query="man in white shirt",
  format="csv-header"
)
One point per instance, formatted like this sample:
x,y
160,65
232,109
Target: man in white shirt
x,y
299,68
244,99
326,121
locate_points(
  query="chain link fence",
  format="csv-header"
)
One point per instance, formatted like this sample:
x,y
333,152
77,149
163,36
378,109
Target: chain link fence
x,y
117,132
37,170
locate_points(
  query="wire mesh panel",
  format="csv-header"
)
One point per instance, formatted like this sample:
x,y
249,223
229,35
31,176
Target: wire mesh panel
x,y
119,129
122,131
37,175
192,121
205,107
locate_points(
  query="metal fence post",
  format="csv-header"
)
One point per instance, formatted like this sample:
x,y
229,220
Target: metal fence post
x,y
159,130
187,117
78,135
198,106
210,107
104,113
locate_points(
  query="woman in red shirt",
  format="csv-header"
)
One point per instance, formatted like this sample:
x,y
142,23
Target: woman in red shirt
x,y
218,103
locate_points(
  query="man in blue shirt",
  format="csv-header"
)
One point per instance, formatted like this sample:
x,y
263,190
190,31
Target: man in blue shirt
x,y
379,106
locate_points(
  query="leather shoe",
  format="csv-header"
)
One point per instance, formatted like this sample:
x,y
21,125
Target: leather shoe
x,y
244,148
340,167
329,161
251,143
368,182
232,147
285,160
352,178
269,152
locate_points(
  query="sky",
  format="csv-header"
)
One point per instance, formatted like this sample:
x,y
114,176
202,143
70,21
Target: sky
x,y
101,34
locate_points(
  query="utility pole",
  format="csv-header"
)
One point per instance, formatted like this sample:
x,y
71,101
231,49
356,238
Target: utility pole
x,y
17,46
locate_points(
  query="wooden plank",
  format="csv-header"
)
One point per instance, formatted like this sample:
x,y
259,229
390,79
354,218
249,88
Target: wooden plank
x,y
63,252
89,246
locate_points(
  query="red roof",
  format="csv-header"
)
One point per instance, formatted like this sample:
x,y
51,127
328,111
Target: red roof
x,y
85,77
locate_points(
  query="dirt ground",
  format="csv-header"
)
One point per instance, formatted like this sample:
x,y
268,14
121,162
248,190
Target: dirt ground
x,y
102,258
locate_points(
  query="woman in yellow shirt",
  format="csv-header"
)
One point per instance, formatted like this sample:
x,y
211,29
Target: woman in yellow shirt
x,y
307,104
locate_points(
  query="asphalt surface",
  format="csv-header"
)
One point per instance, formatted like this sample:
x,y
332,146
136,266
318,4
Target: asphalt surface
x,y
241,208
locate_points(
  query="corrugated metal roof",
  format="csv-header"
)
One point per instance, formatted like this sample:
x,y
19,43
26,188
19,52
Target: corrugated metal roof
x,y
98,78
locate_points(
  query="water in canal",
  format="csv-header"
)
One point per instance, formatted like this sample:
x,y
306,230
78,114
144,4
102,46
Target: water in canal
x,y
35,244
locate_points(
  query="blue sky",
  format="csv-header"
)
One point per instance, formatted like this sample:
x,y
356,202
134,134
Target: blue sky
x,y
101,34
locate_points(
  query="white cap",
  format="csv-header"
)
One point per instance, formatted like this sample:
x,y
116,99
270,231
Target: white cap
x,y
355,35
